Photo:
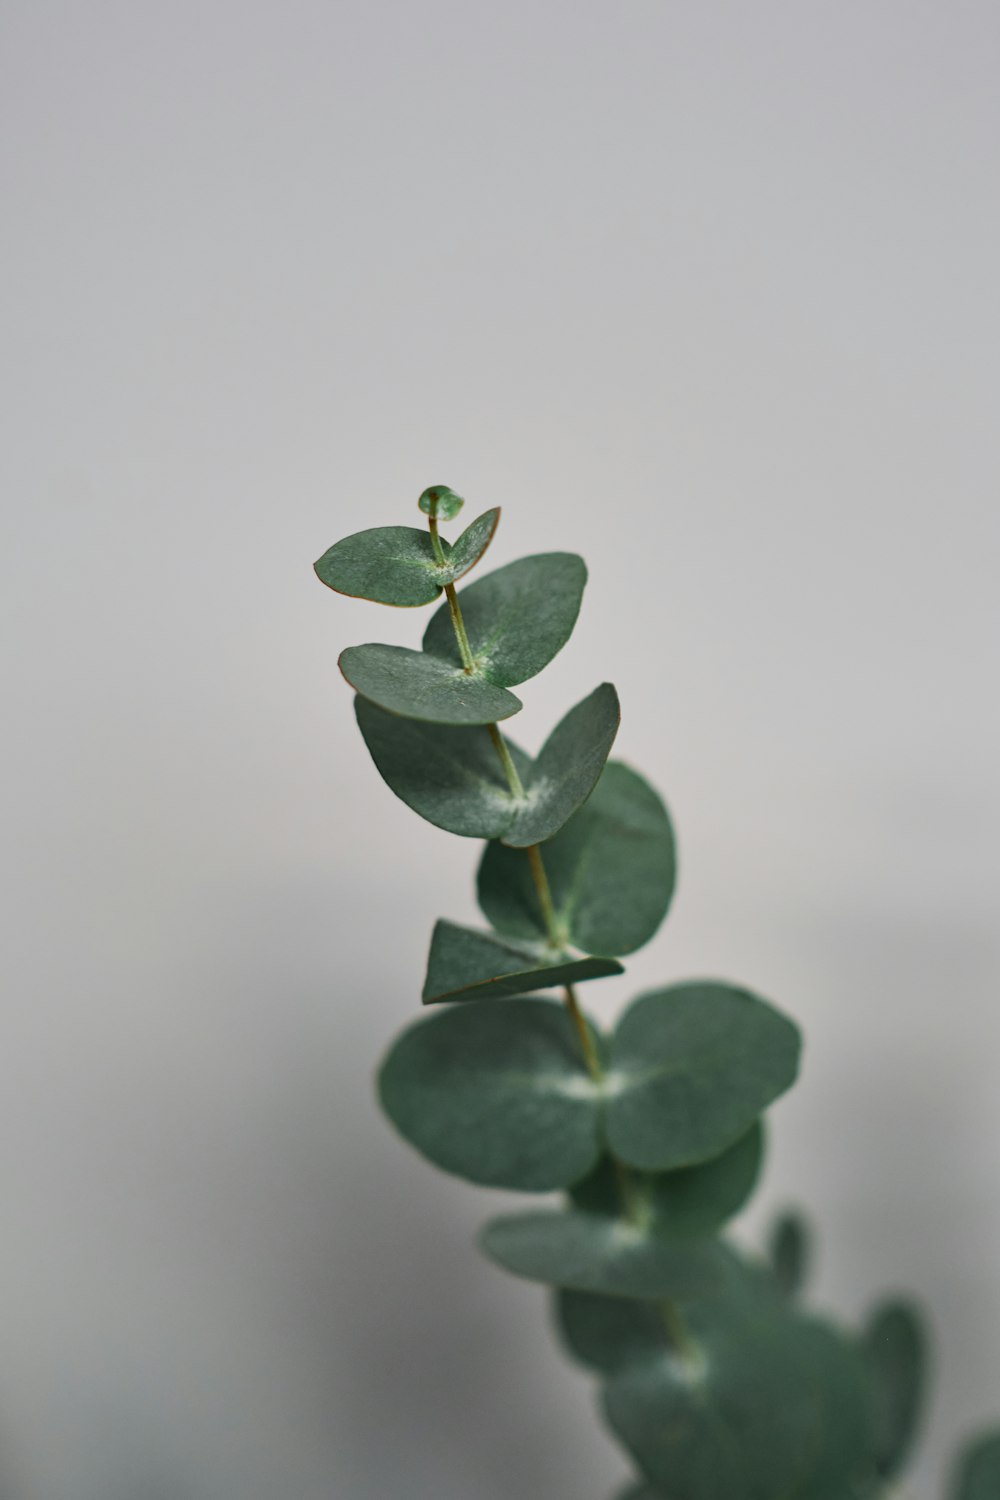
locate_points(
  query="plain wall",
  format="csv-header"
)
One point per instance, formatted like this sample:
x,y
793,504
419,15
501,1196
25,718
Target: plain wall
x,y
704,291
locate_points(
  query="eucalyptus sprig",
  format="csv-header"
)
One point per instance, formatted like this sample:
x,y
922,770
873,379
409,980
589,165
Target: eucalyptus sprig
x,y
713,1376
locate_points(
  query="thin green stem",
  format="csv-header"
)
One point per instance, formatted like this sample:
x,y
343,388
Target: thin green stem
x,y
544,893
590,1056
465,650
454,608
432,522
506,760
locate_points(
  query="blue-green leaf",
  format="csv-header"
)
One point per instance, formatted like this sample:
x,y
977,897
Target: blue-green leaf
x,y
691,1068
609,1334
449,775
896,1348
516,619
419,686
470,546
388,564
749,1410
452,775
611,869
688,1203
464,964
496,1093
595,1253
789,1252
567,769
977,1476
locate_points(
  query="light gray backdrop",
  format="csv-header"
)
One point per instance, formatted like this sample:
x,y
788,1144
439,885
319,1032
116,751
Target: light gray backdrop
x,y
706,291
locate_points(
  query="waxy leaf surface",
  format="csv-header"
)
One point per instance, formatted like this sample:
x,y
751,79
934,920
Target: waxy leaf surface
x,y
611,869
450,775
398,564
453,777
418,686
596,1253
387,564
567,769
464,964
691,1068
496,1093
516,619
896,1348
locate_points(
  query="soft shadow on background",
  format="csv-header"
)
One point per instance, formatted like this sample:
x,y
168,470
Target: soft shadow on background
x,y
705,292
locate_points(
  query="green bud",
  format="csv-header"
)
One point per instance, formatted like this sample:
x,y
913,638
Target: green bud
x,y
440,502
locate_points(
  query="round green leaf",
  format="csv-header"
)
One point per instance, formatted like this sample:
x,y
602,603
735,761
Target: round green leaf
x,y
691,1068
497,1094
896,1348
694,1201
440,501
388,564
448,774
789,1253
567,769
611,869
746,1414
594,1253
419,686
840,1456
516,619
688,1203
977,1476
609,1333
467,965
470,546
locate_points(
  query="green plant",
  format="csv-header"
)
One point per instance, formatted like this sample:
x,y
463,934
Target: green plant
x,y
717,1382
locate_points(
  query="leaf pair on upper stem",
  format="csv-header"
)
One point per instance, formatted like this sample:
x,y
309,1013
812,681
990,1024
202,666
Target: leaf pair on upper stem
x,y
516,620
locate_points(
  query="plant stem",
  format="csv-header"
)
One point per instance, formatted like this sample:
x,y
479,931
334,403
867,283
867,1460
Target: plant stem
x,y
510,770
673,1323
458,624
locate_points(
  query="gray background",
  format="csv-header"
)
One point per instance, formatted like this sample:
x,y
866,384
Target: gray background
x,y
705,291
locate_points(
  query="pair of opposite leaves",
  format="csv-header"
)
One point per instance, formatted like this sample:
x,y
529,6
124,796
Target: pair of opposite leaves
x,y
496,1093
516,620
768,1378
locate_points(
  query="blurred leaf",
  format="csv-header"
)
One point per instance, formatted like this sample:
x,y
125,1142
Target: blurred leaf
x,y
748,1414
611,870
467,965
609,1333
789,1253
977,1475
895,1343
594,1253
691,1068
419,686
387,564
450,775
683,1204
516,619
567,769
496,1093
